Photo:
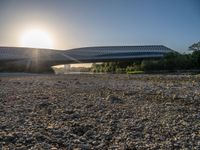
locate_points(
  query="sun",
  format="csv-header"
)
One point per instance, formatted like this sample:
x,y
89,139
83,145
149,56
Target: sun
x,y
36,38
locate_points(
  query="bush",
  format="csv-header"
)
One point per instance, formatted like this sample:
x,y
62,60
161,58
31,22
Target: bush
x,y
170,62
120,70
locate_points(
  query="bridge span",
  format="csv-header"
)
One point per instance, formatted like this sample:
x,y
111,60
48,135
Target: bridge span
x,y
34,58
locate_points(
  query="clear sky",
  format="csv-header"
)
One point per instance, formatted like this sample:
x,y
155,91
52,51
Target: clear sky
x,y
78,23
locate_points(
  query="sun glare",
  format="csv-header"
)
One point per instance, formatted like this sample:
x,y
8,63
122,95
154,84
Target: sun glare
x,y
37,39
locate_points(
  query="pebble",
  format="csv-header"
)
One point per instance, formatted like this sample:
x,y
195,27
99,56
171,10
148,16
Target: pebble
x,y
114,100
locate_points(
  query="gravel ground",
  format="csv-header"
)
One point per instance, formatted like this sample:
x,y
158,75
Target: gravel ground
x,y
100,112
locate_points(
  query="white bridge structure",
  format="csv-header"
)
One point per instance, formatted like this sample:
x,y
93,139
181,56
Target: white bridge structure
x,y
41,58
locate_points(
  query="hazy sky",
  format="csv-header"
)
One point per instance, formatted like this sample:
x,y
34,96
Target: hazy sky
x,y
78,23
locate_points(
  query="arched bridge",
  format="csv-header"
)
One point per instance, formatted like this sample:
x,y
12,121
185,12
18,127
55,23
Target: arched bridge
x,y
34,58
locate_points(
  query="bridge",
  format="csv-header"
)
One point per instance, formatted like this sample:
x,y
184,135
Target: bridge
x,y
42,59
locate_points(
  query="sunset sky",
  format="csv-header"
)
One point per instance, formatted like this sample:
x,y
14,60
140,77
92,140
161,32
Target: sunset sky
x,y
65,24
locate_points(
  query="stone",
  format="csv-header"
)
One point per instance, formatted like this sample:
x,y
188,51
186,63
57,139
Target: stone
x,y
114,100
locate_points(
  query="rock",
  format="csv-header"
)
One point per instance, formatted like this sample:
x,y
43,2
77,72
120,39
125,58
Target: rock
x,y
69,111
17,82
75,115
89,134
107,135
114,100
101,146
79,130
44,104
39,137
77,83
85,146
9,138
129,93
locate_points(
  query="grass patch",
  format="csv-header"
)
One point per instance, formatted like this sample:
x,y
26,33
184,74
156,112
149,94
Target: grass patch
x,y
135,72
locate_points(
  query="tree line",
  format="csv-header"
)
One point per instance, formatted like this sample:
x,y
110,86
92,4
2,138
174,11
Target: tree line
x,y
170,62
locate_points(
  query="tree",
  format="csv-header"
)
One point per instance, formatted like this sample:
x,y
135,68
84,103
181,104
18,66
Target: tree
x,y
195,47
196,59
